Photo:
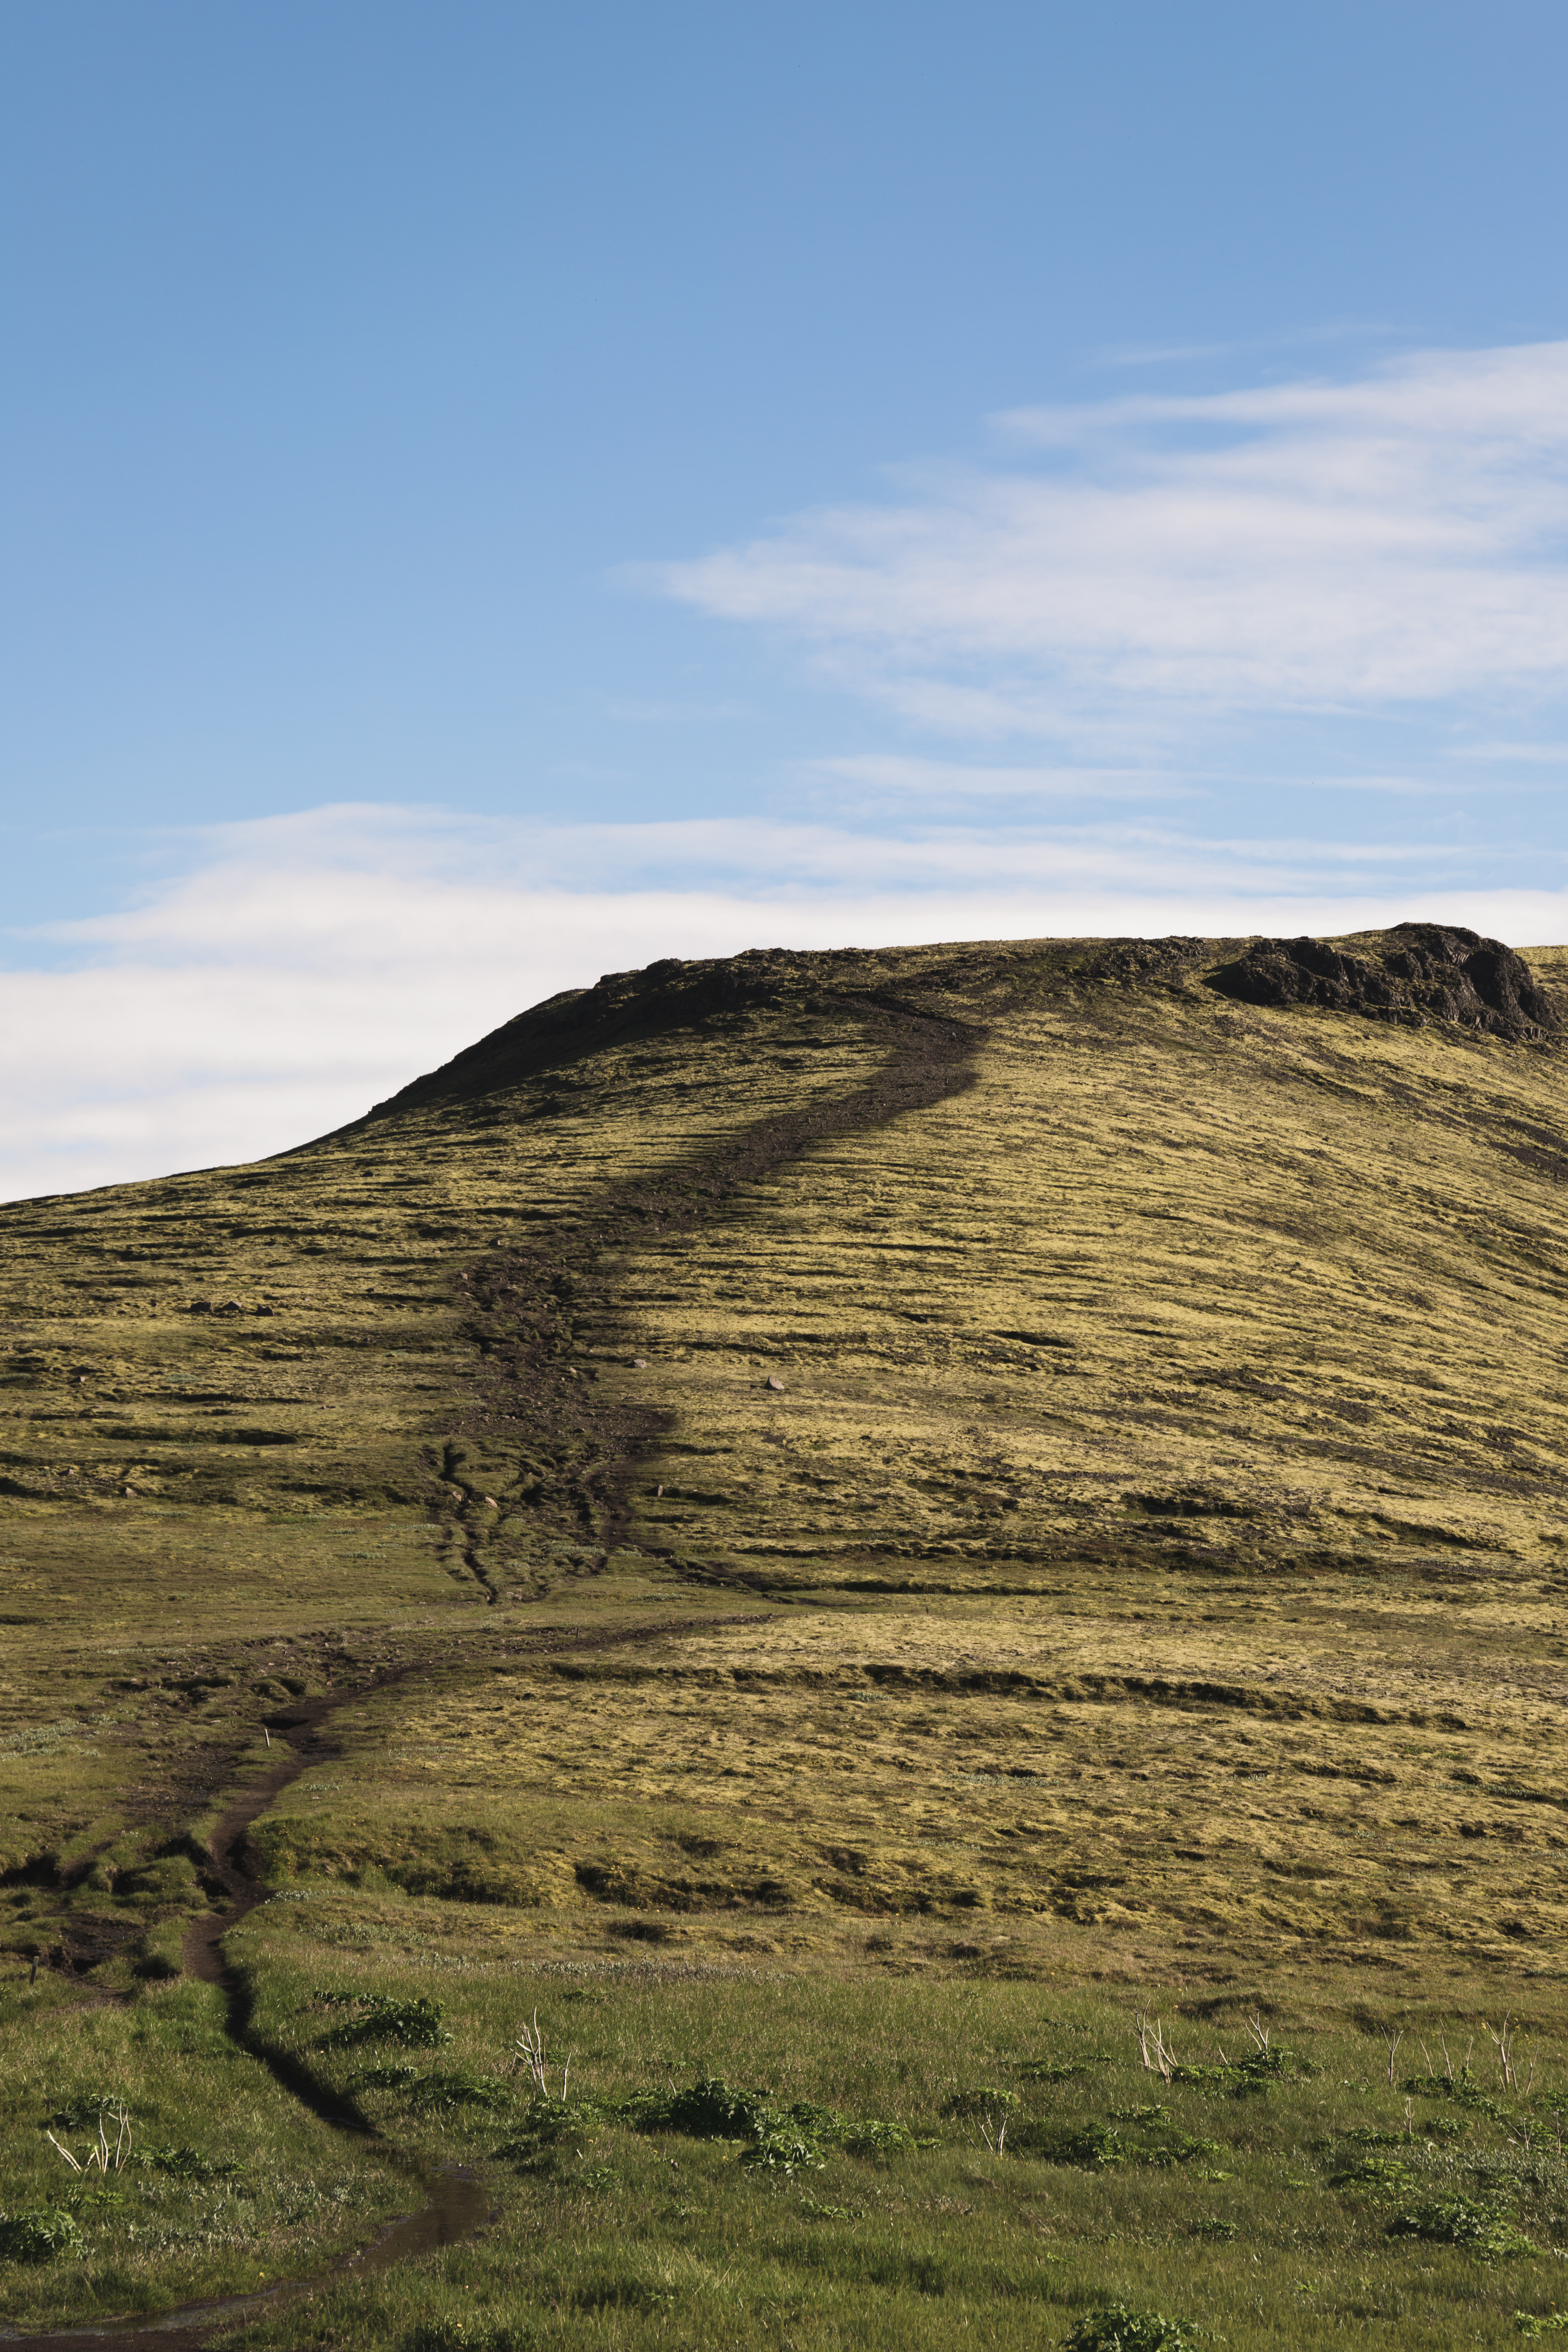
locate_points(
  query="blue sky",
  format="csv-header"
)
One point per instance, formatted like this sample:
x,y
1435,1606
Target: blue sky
x,y
495,492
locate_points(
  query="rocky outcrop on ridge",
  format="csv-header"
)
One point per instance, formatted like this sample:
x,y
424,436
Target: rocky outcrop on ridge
x,y
1423,971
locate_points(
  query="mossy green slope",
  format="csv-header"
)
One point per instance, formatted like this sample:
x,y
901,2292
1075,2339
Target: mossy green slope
x,y
968,1461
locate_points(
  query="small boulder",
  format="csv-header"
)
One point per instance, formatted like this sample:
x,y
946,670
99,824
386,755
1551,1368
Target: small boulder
x,y
775,1385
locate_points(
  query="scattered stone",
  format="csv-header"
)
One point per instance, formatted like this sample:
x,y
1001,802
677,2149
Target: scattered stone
x,y
639,1364
491,1501
200,1307
775,1385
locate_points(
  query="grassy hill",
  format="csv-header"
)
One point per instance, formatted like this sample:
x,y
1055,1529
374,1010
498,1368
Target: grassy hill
x,y
844,1523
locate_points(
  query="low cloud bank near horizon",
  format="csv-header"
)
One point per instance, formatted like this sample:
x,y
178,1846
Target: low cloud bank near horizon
x,y
304,968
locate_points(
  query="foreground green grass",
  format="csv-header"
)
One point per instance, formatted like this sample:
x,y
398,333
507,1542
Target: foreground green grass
x,y
1263,2207
1279,2200
228,2179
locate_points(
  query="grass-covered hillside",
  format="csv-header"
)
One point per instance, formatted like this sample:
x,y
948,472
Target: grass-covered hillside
x,y
838,1526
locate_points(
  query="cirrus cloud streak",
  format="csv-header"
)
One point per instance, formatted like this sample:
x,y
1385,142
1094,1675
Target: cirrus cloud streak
x,y
1396,540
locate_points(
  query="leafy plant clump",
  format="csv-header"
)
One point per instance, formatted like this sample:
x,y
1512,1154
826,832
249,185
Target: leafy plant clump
x,y
546,2122
783,2141
1259,2071
81,2198
1097,2146
1375,2172
38,2235
1482,2230
783,2148
711,2109
1463,2090
1094,2146
415,2021
1541,2322
1063,2070
1113,2327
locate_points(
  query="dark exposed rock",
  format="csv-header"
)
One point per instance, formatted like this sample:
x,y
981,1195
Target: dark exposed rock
x,y
1422,972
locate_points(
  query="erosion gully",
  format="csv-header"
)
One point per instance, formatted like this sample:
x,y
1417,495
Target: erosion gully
x,y
455,2205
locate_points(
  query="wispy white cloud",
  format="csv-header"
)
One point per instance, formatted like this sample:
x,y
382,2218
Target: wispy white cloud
x,y
1394,541
885,781
1533,755
304,967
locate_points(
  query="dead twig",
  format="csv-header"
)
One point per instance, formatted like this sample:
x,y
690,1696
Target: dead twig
x,y
1156,2053
1501,2040
529,2053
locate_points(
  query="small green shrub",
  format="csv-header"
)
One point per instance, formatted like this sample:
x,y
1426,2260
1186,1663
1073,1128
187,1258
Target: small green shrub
x,y
1246,2078
546,2122
1094,2146
876,2138
1063,2070
82,2199
1181,2147
784,2148
415,2021
1115,2328
1375,2172
1544,2322
40,2235
822,2123
1459,2222
709,2110
1221,2232
1462,2089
